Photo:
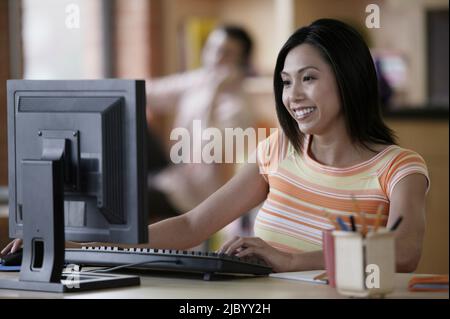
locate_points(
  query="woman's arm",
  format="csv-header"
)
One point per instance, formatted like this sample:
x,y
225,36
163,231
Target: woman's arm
x,y
408,200
243,192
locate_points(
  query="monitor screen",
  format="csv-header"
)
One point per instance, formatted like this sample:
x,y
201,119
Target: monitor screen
x,y
97,128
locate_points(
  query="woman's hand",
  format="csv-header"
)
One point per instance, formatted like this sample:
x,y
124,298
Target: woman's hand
x,y
12,247
253,246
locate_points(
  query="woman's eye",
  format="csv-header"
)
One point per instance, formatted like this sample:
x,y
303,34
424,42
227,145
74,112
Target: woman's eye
x,y
307,78
286,82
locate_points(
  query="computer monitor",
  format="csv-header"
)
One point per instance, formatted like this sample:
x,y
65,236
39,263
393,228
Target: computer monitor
x,y
77,168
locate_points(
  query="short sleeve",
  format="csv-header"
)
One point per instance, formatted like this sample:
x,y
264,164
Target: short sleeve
x,y
269,153
407,162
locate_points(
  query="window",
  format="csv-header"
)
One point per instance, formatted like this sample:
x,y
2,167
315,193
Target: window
x,y
63,39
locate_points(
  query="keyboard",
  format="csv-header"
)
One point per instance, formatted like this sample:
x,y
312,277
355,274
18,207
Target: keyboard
x,y
206,263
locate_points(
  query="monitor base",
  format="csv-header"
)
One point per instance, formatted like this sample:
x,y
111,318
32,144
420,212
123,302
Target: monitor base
x,y
73,282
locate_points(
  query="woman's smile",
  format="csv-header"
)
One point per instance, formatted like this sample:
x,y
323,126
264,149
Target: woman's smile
x,y
303,112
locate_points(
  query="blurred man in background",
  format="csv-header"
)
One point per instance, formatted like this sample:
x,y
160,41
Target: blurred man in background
x,y
212,94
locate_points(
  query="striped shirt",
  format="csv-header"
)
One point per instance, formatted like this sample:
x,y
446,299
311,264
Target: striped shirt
x,y
300,188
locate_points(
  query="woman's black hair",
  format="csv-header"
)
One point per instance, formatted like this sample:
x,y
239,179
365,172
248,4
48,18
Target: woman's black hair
x,y
345,51
240,34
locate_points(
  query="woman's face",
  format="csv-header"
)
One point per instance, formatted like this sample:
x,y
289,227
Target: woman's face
x,y
310,91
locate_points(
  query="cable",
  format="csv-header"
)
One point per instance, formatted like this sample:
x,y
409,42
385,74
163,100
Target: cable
x,y
178,262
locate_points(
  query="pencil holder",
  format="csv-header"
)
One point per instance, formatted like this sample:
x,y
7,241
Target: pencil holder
x,y
364,266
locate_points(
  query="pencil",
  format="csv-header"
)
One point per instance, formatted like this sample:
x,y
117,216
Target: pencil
x,y
361,214
328,215
378,217
320,276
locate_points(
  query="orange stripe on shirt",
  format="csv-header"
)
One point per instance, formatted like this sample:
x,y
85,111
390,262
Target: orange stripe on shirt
x,y
294,194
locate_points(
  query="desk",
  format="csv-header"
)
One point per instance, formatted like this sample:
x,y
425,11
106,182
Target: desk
x,y
179,286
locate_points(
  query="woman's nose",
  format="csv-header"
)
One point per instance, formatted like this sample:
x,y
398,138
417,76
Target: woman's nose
x,y
296,92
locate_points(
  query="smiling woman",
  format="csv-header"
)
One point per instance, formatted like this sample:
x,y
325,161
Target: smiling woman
x,y
333,148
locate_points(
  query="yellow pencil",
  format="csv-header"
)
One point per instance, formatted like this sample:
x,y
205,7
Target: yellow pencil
x,y
378,217
328,215
361,214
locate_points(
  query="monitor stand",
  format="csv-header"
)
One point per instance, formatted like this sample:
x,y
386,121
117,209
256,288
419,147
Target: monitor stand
x,y
43,233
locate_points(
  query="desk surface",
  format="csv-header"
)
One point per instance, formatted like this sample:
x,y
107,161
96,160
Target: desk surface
x,y
180,286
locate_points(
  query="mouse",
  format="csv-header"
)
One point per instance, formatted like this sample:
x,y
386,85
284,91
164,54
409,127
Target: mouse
x,y
12,259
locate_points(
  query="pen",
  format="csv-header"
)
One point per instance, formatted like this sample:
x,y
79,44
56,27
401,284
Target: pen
x,y
352,221
397,222
342,224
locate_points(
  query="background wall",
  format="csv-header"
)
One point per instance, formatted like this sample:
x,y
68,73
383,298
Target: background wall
x,y
4,75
